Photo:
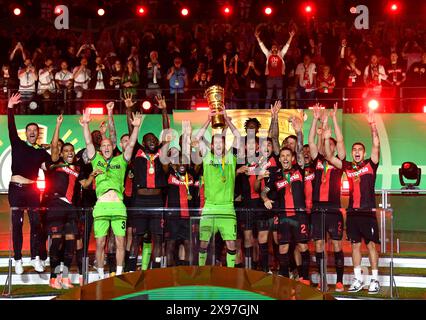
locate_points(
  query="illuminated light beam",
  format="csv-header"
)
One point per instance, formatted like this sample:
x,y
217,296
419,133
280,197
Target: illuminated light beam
x,y
66,135
74,141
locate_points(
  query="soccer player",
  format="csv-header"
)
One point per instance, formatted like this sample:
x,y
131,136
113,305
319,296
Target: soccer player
x,y
288,183
149,181
109,208
61,214
361,221
326,215
219,172
27,158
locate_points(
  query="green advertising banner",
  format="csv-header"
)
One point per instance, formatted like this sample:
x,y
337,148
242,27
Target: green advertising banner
x,y
402,136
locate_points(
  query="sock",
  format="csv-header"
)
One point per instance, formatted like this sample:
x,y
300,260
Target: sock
x,y
202,257
101,273
183,262
374,275
319,256
131,264
156,263
357,273
79,258
339,261
230,258
264,256
239,265
305,264
146,255
284,264
119,270
54,256
111,262
68,256
126,260
248,254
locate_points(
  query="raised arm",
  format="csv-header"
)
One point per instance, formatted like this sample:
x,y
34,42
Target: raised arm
x,y
261,45
129,103
375,149
84,122
341,150
161,100
287,45
297,124
136,123
55,140
313,149
111,124
328,155
225,68
274,130
13,133
235,132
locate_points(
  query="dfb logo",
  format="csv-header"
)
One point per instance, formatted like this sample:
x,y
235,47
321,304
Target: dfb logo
x,y
362,20
62,20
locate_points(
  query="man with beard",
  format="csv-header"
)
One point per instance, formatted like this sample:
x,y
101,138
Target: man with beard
x,y
361,221
109,209
27,158
326,215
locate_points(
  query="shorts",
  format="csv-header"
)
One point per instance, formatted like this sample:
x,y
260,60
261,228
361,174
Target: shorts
x,y
177,228
362,225
332,224
142,219
247,215
294,228
61,218
106,214
218,218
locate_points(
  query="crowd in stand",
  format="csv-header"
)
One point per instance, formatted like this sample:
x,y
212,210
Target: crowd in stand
x,y
254,63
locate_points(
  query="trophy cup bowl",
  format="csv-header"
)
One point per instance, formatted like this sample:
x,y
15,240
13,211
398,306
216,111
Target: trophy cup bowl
x,y
215,96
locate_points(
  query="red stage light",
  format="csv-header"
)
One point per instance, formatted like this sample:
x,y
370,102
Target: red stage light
x,y
424,109
140,10
407,165
58,10
352,10
41,184
373,104
227,10
184,12
96,110
308,9
202,108
101,12
268,11
146,105
394,7
17,11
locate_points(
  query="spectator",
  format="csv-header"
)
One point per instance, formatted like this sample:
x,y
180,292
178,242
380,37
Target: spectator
x,y
6,83
252,80
326,83
411,52
130,80
374,73
134,55
352,73
417,73
306,76
27,83
275,68
231,82
178,80
46,86
153,76
396,78
17,60
64,82
81,76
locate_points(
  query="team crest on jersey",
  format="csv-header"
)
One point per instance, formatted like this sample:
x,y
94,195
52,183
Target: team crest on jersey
x,y
320,166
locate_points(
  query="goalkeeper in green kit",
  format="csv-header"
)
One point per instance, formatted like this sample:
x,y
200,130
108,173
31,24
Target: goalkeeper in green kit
x,y
109,210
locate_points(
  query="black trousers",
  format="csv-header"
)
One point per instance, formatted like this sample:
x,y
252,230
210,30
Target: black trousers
x,y
23,197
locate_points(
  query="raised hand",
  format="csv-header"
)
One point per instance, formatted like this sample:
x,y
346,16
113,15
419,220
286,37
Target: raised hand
x,y
85,118
317,111
275,109
14,99
326,130
136,119
296,123
224,57
333,112
59,119
128,100
110,106
371,117
292,33
161,100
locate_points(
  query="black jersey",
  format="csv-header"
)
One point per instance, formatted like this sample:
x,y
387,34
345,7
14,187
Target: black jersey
x,y
62,180
362,179
181,194
148,170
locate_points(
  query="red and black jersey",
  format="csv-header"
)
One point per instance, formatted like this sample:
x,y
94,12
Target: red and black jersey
x,y
148,170
289,186
395,72
181,194
362,179
62,179
326,184
309,185
247,184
